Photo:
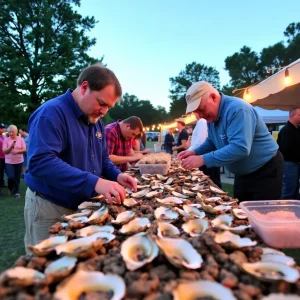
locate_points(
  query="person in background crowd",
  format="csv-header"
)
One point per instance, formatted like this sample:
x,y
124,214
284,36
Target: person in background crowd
x,y
2,155
119,136
199,136
68,161
238,139
189,130
13,148
182,137
138,145
25,136
289,145
169,141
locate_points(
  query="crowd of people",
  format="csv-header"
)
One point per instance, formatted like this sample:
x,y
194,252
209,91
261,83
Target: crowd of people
x,y
70,156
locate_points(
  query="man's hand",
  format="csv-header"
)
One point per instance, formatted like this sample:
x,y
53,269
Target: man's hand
x,y
185,154
136,157
110,189
194,161
127,181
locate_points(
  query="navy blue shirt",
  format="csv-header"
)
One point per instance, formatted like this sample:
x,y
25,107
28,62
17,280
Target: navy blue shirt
x,y
66,155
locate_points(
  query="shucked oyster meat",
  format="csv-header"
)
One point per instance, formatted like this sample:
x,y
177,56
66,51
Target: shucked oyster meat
x,y
138,250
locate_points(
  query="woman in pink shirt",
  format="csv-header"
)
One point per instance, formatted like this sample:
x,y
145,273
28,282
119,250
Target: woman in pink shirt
x,y
13,148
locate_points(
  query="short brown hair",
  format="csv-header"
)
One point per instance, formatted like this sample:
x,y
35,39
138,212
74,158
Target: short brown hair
x,y
98,77
134,123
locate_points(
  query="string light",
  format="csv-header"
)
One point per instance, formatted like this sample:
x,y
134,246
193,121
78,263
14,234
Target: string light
x,y
287,79
247,96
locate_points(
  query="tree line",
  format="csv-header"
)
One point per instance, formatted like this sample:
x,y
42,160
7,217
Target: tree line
x,y
44,46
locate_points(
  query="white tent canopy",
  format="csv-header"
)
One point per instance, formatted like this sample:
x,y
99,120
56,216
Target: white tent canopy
x,y
276,92
275,116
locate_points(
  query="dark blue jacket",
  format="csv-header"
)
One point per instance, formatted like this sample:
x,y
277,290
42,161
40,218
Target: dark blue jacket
x,y
66,155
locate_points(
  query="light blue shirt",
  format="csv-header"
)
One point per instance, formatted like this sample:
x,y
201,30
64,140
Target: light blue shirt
x,y
239,139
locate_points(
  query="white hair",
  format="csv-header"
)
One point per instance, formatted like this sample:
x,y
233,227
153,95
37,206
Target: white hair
x,y
12,127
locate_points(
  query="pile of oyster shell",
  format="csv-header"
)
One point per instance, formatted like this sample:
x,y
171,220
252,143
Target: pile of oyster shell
x,y
178,237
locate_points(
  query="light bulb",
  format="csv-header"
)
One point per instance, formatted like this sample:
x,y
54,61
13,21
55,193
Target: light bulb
x,y
287,79
247,96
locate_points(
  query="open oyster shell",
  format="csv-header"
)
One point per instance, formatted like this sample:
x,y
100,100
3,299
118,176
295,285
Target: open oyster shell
x,y
135,226
165,214
167,230
277,258
85,213
217,190
171,201
202,289
99,216
124,217
89,205
89,230
239,213
59,269
233,241
107,286
130,202
138,250
20,276
195,227
47,246
271,271
194,211
179,195
81,247
180,252
141,193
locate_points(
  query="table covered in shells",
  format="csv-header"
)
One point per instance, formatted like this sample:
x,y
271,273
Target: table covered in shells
x,y
178,237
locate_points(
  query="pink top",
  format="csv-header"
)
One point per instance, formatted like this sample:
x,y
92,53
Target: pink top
x,y
14,158
2,138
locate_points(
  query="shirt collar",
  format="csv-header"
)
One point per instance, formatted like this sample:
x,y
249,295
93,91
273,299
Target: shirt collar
x,y
76,110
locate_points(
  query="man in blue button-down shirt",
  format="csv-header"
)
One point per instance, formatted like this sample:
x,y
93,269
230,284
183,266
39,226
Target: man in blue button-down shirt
x,y
67,153
238,139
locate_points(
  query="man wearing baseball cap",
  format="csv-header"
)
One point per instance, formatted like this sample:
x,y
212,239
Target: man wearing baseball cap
x,y
237,139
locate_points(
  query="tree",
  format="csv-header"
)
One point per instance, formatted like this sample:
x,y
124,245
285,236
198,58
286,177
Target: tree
x,y
130,105
43,48
193,72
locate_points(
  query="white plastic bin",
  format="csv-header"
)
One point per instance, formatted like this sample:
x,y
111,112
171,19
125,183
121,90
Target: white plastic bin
x,y
157,147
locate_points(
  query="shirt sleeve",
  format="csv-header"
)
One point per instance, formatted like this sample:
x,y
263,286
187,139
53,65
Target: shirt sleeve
x,y
111,140
185,135
240,133
44,161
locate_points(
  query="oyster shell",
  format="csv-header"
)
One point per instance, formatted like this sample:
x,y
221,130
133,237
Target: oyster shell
x,y
59,269
212,199
179,195
233,241
161,177
271,271
47,246
188,193
217,190
195,227
99,216
239,213
130,202
77,215
168,188
170,201
277,258
166,230
152,194
142,187
180,252
165,214
89,230
181,212
21,276
194,211
222,222
80,247
88,205
138,250
281,297
78,220
140,194
202,289
124,217
83,282
135,226
146,178
270,251
128,191
214,210
169,181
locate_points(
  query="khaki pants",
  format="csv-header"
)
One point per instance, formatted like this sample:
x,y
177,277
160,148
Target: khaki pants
x,y
39,215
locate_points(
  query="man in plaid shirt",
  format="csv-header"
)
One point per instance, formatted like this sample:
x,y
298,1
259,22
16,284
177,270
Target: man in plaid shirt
x,y
119,138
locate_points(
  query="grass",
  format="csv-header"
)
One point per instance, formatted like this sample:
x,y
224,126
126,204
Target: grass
x,y
13,227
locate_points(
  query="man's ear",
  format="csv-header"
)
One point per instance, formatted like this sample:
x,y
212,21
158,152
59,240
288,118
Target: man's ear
x,y
84,87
